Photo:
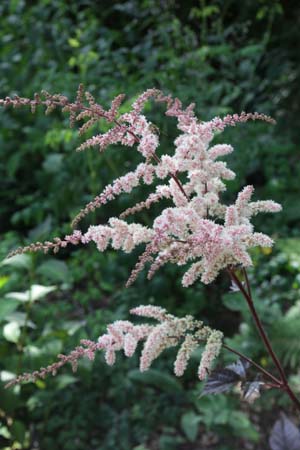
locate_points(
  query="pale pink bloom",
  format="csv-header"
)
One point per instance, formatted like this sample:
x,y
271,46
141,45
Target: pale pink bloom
x,y
148,144
113,136
139,103
196,228
219,150
244,198
124,335
157,341
264,206
192,274
177,196
110,357
154,312
184,354
211,352
162,191
231,216
115,105
130,343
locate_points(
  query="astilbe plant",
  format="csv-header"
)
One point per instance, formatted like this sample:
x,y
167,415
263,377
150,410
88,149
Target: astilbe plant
x,y
196,229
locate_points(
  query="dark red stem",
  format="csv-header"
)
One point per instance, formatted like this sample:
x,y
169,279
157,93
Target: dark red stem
x,y
247,294
276,381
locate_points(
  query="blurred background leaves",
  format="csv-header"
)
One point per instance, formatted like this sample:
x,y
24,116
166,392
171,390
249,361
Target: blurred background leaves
x,y
226,56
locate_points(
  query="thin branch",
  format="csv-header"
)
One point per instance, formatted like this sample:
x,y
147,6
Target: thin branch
x,y
247,281
284,381
259,324
253,363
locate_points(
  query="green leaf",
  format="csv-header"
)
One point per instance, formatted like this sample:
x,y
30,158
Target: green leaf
x,y
71,326
36,292
63,381
18,431
6,376
190,424
291,248
73,42
7,306
234,301
4,432
55,270
242,426
167,442
157,379
53,163
17,261
12,332
9,401
20,318
41,231
3,281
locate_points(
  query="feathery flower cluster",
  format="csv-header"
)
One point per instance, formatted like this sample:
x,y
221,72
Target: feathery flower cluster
x,y
124,335
197,227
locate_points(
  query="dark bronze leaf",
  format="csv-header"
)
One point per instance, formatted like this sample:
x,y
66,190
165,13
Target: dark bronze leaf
x,y
240,367
285,435
251,391
220,381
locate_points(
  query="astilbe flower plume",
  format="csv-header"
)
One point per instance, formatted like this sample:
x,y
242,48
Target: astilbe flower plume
x,y
124,335
195,229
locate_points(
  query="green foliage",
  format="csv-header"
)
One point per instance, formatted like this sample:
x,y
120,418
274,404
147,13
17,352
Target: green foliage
x,y
225,57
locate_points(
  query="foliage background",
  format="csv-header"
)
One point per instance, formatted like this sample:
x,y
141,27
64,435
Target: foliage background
x,y
225,55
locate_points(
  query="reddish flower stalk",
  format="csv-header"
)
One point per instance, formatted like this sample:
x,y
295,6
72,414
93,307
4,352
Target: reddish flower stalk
x,y
284,385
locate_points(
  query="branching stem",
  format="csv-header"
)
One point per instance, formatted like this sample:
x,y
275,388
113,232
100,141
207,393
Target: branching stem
x,y
265,372
284,385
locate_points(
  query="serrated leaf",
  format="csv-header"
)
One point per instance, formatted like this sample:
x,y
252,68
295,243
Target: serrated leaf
x,y
285,435
190,424
221,380
12,332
